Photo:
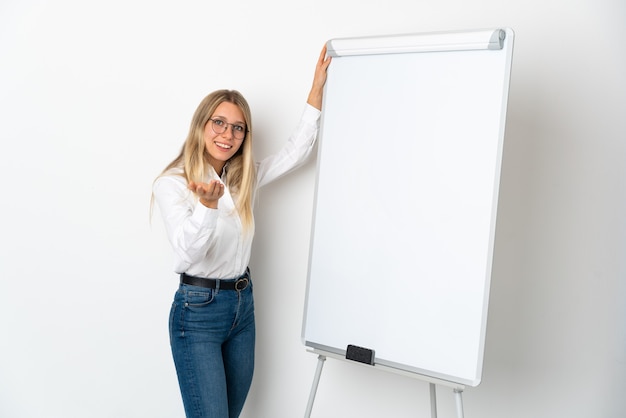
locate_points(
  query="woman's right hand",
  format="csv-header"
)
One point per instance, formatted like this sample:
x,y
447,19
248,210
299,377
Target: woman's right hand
x,y
208,193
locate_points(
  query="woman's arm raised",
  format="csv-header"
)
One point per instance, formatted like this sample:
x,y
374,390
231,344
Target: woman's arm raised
x,y
317,89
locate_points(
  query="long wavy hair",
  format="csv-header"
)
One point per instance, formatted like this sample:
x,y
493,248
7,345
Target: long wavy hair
x,y
240,168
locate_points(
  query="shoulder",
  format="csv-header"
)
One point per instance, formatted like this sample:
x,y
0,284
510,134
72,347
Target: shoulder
x,y
172,178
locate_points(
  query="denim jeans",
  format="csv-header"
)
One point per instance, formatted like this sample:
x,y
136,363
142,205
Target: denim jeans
x,y
212,336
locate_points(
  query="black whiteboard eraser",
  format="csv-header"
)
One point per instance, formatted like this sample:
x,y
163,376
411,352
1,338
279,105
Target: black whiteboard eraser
x,y
360,354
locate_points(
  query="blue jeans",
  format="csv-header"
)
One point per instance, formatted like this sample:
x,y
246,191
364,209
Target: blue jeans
x,y
212,335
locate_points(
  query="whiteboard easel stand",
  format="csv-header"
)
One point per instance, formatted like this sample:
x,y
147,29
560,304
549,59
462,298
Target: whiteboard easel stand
x,y
456,387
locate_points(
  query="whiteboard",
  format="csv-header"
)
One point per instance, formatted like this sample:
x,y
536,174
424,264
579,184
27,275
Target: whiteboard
x,y
406,199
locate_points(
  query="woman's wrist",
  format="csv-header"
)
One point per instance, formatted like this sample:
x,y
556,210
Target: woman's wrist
x,y
211,204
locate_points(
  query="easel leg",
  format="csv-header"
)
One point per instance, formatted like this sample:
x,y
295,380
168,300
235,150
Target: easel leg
x,y
316,381
433,401
459,402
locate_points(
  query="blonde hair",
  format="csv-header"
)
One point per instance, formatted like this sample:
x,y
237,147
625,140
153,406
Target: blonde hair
x,y
240,169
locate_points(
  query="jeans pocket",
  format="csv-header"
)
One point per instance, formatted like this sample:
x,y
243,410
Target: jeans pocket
x,y
198,299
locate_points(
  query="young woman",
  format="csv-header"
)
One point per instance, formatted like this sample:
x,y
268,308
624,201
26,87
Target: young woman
x,y
205,197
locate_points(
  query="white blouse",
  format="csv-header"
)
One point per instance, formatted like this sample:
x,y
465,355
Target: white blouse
x,y
211,242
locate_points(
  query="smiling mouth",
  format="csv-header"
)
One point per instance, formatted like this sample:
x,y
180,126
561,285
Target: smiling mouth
x,y
223,146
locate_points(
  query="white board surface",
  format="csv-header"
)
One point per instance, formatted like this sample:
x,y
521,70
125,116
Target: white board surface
x,y
406,203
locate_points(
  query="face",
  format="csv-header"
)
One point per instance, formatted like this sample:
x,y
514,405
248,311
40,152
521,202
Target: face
x,y
221,147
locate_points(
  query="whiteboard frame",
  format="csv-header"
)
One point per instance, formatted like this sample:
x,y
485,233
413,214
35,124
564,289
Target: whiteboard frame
x,y
489,39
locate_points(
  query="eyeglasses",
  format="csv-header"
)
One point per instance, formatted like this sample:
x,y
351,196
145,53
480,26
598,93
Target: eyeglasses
x,y
220,126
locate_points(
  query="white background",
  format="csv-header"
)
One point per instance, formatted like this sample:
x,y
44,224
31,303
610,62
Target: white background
x,y
96,98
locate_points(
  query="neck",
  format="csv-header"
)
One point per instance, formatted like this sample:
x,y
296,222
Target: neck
x,y
217,165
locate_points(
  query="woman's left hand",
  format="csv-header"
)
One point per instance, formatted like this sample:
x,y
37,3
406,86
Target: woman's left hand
x,y
317,89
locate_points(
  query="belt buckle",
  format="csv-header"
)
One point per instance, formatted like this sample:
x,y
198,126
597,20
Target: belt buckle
x,y
241,284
